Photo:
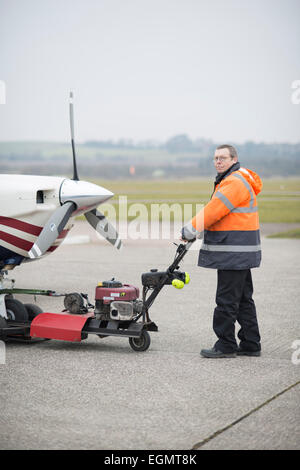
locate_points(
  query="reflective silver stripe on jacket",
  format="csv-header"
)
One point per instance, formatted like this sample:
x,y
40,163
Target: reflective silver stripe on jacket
x,y
232,248
230,206
241,178
225,200
245,210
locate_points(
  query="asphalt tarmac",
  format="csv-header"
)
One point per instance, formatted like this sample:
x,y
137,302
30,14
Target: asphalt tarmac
x,y
100,394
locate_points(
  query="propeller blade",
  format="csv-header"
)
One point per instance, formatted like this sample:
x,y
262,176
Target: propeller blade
x,y
100,223
71,111
52,229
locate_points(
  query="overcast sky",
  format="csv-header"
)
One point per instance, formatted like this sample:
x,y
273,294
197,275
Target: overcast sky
x,y
150,69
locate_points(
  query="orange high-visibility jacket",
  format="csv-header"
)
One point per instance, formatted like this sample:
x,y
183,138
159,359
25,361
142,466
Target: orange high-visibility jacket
x,y
230,223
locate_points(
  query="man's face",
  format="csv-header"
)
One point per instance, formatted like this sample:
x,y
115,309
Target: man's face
x,y
223,160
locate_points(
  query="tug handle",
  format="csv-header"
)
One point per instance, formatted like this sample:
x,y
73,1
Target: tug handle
x,y
189,244
182,251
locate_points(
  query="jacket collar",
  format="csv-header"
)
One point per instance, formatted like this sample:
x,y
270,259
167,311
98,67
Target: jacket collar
x,y
220,176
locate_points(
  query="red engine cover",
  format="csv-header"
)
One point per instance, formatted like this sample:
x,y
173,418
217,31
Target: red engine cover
x,y
64,326
108,294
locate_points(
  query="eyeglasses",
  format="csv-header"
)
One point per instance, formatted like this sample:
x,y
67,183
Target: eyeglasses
x,y
221,159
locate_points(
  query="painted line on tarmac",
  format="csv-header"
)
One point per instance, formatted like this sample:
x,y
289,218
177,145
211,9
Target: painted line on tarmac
x,y
220,431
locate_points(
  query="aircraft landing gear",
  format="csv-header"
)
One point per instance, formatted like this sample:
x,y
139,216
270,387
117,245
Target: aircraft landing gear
x,y
16,311
15,317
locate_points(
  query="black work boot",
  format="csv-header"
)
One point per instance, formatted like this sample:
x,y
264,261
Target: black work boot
x,y
243,352
214,353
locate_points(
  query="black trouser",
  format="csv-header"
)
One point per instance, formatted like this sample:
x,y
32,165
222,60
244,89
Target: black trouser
x,y
234,302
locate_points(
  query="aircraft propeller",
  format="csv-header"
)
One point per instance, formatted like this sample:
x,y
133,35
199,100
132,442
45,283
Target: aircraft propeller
x,y
76,197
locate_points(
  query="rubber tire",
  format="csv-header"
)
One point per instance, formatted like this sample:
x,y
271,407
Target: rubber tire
x,y
16,311
33,310
142,343
3,324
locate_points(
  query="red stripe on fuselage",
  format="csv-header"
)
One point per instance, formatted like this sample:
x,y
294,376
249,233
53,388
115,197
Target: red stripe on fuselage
x,y
25,244
16,241
20,225
63,234
52,248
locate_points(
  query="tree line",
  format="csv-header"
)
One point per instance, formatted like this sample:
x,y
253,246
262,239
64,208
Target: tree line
x,y
179,156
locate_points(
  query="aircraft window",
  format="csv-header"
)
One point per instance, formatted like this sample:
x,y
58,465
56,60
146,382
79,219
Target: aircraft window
x,y
40,197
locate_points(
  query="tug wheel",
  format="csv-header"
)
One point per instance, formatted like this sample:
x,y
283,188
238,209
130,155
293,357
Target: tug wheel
x,y
15,310
33,310
142,343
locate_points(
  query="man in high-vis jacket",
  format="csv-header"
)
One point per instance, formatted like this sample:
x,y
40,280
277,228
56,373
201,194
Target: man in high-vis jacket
x,y
231,244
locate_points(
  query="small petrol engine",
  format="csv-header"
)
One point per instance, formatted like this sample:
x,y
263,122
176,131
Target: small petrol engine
x,y
117,301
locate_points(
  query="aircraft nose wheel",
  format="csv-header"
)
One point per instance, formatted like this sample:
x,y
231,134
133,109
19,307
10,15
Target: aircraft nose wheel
x,y
142,343
15,310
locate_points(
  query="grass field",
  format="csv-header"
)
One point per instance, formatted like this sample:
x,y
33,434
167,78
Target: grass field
x,y
288,234
279,201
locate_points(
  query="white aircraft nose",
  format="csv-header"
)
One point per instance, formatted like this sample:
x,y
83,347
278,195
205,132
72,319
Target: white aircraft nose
x,y
85,195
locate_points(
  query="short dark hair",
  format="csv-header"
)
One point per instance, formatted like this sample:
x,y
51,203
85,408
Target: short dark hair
x,y
232,150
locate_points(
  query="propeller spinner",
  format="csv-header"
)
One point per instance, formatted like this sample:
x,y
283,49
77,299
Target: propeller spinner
x,y
76,197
